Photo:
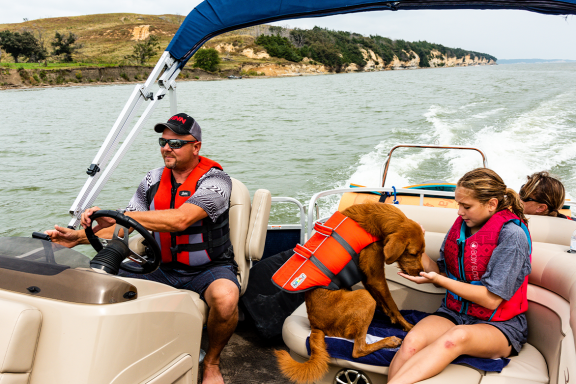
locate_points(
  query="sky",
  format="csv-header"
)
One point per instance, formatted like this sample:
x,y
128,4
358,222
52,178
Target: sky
x,y
504,34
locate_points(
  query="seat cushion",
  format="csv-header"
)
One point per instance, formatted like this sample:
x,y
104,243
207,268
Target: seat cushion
x,y
19,332
528,365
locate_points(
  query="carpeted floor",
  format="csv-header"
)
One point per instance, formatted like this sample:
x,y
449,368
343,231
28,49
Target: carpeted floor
x,y
248,359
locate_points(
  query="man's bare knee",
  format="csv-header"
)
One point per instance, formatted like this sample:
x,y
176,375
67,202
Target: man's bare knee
x,y
222,297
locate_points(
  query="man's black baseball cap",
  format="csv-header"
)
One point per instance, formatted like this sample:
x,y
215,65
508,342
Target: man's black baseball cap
x,y
181,124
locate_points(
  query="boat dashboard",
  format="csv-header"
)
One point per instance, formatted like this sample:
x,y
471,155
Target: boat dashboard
x,y
44,269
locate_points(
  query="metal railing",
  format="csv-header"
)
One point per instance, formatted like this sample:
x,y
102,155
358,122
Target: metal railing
x,y
301,226
312,204
387,164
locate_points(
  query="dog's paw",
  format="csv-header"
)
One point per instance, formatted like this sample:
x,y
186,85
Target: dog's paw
x,y
407,326
395,341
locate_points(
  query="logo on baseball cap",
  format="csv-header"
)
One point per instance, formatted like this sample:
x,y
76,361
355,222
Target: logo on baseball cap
x,y
181,124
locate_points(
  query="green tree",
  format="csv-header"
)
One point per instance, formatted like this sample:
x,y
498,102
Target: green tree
x,y
207,59
145,50
22,44
278,46
65,46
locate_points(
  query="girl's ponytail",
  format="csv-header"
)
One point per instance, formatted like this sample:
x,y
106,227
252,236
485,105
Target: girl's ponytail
x,y
515,205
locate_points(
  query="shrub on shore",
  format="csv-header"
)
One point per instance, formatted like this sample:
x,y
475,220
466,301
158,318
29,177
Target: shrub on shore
x,y
207,59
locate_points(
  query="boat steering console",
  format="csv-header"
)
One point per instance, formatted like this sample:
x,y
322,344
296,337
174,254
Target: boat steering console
x,y
111,256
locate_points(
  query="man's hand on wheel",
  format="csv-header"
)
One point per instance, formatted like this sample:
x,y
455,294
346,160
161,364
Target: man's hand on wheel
x,y
103,222
64,236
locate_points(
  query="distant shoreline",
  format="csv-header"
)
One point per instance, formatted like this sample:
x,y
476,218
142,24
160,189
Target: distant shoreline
x,y
34,78
534,61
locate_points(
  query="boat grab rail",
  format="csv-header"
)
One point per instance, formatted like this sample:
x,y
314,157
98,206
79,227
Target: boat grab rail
x,y
316,196
302,225
387,164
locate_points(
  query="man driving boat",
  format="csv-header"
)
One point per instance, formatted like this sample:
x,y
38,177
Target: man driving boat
x,y
186,204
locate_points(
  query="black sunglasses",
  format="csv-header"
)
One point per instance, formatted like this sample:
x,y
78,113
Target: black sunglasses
x,y
529,199
174,143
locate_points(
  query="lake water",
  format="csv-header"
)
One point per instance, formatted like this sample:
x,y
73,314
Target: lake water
x,y
295,136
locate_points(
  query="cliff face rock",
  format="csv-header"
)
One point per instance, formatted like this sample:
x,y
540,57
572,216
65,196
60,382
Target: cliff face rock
x,y
441,60
373,61
296,69
248,52
140,33
413,63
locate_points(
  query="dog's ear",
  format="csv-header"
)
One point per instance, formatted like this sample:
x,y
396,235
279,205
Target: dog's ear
x,y
394,247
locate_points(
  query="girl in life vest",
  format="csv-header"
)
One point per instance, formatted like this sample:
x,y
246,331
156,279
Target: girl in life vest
x,y
484,265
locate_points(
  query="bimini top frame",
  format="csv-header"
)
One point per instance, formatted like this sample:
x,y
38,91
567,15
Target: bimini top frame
x,y
214,17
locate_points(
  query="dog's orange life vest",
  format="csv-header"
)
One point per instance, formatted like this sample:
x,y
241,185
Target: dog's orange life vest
x,y
328,260
202,242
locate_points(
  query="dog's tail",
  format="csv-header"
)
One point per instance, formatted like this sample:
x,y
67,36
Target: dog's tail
x,y
311,370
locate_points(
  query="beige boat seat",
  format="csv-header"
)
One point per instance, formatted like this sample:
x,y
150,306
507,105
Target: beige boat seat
x,y
19,331
248,227
550,354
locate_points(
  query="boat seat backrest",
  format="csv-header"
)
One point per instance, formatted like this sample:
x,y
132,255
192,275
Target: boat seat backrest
x,y
19,331
248,227
552,284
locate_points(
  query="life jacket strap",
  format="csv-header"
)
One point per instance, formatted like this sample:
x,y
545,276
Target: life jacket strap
x,y
344,244
324,269
209,245
202,229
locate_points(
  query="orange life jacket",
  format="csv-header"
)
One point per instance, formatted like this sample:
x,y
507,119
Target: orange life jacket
x,y
202,242
328,260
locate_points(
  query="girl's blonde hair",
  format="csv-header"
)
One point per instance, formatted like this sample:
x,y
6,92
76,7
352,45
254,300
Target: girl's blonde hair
x,y
485,184
544,189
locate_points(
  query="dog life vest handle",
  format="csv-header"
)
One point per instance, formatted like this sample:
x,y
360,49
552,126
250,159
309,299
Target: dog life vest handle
x,y
322,229
302,251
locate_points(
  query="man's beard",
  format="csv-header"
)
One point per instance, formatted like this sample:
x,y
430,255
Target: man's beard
x,y
170,165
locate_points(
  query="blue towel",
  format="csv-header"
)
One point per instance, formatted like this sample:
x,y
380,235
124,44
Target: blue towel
x,y
381,327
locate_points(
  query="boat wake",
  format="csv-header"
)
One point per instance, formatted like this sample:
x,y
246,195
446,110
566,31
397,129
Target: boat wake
x,y
516,143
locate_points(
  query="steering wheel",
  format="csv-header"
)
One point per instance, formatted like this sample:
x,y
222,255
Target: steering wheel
x,y
110,258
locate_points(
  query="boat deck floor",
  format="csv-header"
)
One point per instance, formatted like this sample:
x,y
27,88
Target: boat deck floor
x,y
248,358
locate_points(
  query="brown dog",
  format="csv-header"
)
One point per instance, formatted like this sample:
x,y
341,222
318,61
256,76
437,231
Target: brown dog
x,y
347,314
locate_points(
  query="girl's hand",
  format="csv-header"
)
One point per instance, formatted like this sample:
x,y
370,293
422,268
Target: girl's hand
x,y
421,226
424,278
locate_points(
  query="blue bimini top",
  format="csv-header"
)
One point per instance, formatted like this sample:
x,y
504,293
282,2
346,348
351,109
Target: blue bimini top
x,y
214,17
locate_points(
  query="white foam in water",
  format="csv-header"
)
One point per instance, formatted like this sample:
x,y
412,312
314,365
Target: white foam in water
x,y
531,142
516,146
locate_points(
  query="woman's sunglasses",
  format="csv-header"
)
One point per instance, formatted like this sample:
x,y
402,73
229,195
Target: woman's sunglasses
x,y
529,199
174,143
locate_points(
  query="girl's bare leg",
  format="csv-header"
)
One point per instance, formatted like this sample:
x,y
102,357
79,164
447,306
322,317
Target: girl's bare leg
x,y
423,334
479,340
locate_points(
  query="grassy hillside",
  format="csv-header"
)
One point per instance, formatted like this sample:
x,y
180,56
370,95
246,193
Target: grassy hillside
x,y
106,38
259,50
